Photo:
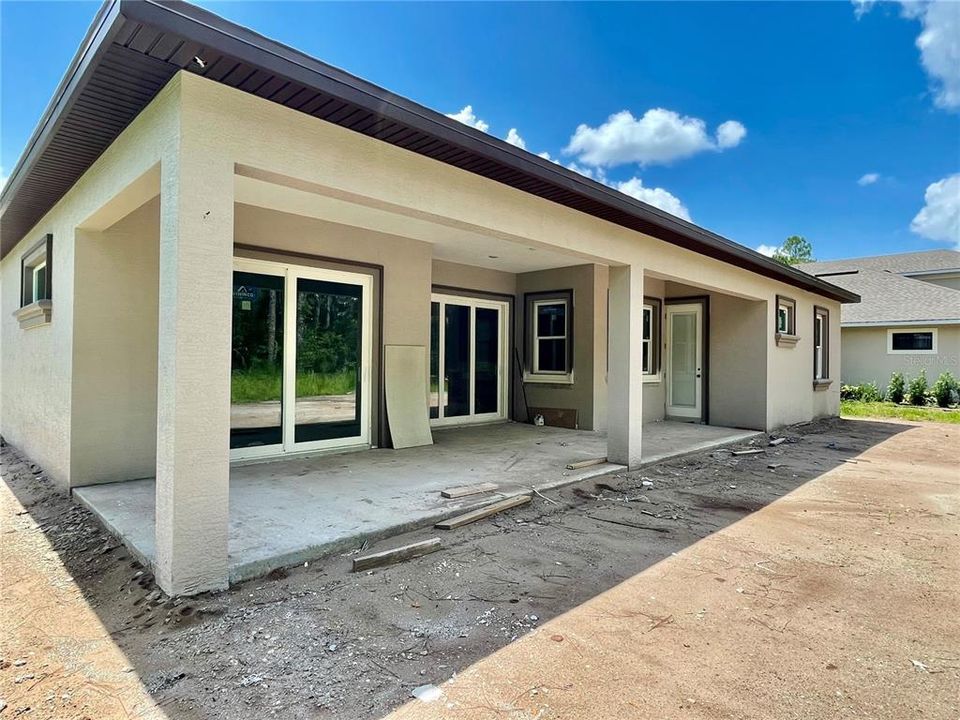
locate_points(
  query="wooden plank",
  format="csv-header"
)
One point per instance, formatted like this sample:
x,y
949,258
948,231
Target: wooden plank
x,y
746,452
586,463
395,555
777,441
470,517
464,490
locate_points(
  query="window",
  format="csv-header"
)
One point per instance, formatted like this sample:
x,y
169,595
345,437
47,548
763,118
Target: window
x,y
912,341
786,322
821,345
35,284
549,336
651,339
550,339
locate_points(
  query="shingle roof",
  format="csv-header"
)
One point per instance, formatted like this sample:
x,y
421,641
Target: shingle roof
x,y
903,263
887,298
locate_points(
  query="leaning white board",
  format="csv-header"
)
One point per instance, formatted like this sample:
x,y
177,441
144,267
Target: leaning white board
x,y
405,375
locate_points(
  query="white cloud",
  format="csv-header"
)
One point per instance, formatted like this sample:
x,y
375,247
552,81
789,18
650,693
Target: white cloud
x,y
868,179
939,219
730,133
513,137
3,179
545,155
938,42
660,136
658,197
467,117
768,250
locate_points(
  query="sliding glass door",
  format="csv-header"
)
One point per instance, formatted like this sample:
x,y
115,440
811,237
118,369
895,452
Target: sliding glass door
x,y
468,360
300,375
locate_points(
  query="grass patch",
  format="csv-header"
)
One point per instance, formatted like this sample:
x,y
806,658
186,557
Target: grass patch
x,y
854,408
257,386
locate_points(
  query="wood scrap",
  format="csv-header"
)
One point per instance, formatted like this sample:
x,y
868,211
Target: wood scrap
x,y
755,451
395,555
484,512
465,490
777,441
586,463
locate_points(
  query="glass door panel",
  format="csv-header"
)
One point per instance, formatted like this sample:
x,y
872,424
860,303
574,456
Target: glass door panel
x,y
256,371
456,356
434,360
486,361
683,362
329,330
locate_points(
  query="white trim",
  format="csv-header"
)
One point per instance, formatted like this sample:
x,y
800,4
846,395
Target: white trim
x,y
931,330
685,411
503,362
291,273
899,323
820,358
34,271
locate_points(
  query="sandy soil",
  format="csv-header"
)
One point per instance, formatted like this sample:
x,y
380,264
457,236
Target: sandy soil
x,y
736,590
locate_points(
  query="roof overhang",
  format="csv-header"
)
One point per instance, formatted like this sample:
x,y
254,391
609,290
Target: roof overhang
x,y
134,47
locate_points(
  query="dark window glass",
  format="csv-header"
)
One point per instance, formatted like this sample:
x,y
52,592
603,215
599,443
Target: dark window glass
x,y
434,359
647,329
913,341
329,320
551,320
487,361
456,357
256,373
552,355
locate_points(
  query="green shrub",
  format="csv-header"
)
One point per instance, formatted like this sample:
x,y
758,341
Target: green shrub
x,y
896,389
867,392
946,389
918,389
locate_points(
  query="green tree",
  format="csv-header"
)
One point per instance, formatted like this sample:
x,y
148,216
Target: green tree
x,y
796,249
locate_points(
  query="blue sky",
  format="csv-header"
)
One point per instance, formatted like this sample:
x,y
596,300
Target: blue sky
x,y
809,98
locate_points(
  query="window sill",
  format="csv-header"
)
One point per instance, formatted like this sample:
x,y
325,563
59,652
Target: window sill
x,y
35,314
652,378
822,384
784,340
548,379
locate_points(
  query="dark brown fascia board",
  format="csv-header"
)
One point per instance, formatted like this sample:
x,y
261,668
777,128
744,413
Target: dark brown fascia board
x,y
214,32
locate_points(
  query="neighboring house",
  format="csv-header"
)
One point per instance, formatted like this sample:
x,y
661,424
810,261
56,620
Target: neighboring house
x,y
908,319
212,240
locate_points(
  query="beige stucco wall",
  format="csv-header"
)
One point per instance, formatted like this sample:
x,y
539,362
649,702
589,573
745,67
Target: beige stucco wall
x,y
37,365
114,394
470,277
35,387
738,356
865,357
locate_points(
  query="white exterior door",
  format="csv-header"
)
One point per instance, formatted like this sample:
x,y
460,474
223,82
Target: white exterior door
x,y
469,360
302,357
684,366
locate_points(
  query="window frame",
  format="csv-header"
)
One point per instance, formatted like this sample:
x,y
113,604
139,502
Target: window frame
x,y
39,256
789,336
822,315
532,371
893,331
655,307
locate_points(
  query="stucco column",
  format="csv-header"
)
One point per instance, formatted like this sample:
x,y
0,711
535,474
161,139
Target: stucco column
x,y
625,375
193,382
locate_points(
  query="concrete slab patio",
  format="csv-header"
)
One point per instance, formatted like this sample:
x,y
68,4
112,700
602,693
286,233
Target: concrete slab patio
x,y
284,512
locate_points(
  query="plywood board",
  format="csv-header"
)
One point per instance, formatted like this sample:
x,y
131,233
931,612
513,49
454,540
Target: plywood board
x,y
464,490
395,555
405,378
483,512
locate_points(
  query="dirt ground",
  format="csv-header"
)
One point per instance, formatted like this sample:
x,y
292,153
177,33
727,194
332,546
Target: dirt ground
x,y
727,599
